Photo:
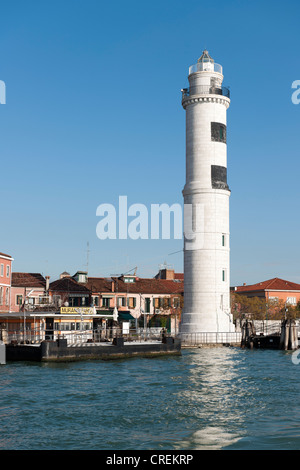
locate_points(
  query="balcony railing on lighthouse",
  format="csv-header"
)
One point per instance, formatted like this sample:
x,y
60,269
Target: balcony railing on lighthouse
x,y
206,66
205,90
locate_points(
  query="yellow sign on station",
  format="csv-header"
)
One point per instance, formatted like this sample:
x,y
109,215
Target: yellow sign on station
x,y
77,310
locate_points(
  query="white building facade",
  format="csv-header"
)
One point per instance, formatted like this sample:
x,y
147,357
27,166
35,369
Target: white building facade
x,y
207,251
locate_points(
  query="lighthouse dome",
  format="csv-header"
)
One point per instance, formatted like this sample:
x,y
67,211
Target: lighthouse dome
x,y
205,57
205,63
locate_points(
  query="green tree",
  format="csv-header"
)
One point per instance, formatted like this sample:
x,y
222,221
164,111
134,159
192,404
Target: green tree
x,y
252,307
258,308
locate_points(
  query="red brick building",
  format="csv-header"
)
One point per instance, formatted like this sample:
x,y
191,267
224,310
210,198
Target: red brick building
x,y
5,282
28,291
140,297
275,289
66,291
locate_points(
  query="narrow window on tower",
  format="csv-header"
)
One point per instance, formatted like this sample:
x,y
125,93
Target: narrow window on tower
x,y
223,275
218,132
219,177
223,239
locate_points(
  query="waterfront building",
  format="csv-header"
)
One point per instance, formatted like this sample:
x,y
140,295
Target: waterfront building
x,y
67,292
28,291
5,282
153,302
61,308
80,305
275,290
206,191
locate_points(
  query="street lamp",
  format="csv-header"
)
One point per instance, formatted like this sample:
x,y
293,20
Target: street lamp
x,y
26,296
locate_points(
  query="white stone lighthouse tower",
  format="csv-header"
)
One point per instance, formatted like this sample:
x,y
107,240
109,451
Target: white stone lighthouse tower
x,y
206,245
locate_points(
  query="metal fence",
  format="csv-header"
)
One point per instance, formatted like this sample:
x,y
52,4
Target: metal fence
x,y
198,338
267,327
200,66
32,336
81,337
90,337
132,335
74,338
205,90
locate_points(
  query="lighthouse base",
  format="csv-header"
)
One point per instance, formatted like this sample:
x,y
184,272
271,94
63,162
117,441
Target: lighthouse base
x,y
198,329
200,339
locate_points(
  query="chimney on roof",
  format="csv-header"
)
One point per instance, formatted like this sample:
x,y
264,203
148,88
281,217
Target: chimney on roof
x,y
244,284
47,283
113,286
64,274
166,274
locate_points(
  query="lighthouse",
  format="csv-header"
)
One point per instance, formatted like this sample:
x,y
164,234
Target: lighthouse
x,y
206,202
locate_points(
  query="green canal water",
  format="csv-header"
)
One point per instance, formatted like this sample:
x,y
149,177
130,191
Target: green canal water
x,y
221,398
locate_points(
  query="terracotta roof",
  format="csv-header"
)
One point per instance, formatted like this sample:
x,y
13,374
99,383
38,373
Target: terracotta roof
x,y
271,284
27,280
7,256
140,286
99,284
68,284
179,276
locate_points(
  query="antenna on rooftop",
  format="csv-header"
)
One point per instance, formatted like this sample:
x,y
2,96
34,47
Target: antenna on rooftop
x,y
87,256
122,274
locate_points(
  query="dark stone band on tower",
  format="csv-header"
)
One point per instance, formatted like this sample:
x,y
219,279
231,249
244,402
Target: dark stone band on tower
x,y
218,132
219,177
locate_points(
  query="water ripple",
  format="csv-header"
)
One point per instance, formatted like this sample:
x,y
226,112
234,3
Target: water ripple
x,y
223,398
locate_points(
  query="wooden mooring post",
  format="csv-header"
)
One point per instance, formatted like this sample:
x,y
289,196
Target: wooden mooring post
x,y
248,333
286,339
2,353
289,335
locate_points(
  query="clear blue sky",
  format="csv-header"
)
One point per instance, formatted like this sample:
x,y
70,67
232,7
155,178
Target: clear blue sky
x,y
94,111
